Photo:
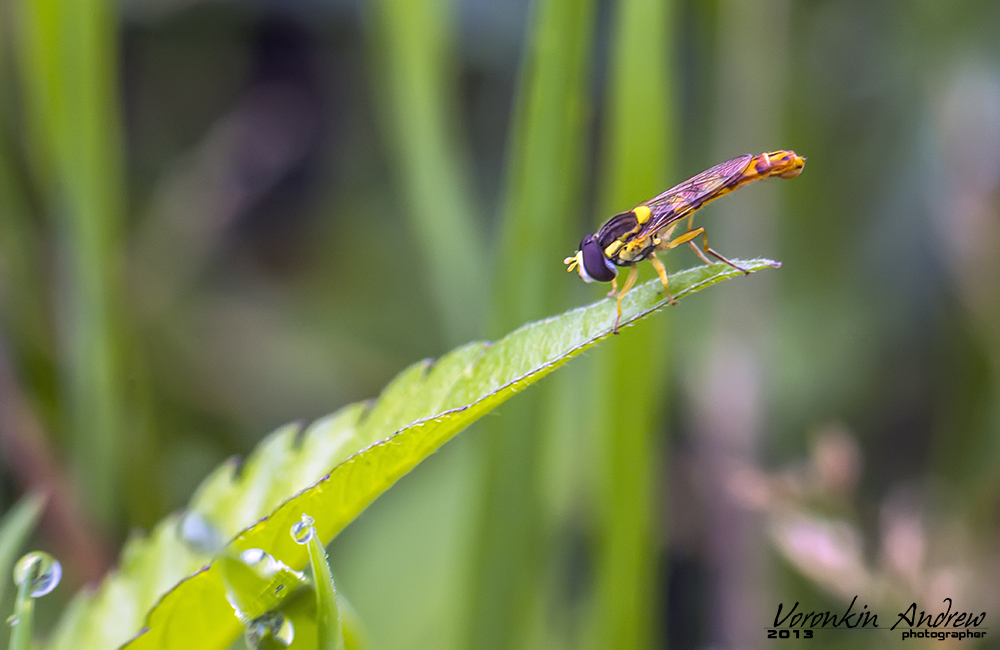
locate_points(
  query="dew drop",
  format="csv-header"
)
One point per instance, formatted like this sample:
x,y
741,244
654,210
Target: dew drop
x,y
13,620
262,563
252,556
199,533
303,531
42,570
270,626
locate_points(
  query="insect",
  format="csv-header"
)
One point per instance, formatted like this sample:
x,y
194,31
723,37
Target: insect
x,y
630,237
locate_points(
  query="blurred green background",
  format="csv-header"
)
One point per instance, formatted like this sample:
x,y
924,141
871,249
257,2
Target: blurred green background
x,y
218,217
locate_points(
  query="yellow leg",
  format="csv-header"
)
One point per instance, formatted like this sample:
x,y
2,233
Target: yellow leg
x,y
713,253
691,234
614,287
685,238
633,274
697,250
662,272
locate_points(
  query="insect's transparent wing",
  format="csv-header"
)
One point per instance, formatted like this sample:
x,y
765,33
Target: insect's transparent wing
x,y
677,202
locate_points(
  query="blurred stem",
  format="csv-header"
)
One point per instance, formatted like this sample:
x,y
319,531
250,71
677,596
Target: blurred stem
x,y
543,184
413,45
729,405
16,526
630,372
70,76
544,173
24,609
21,272
22,262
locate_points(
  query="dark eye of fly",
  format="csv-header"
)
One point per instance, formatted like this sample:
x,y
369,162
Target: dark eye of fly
x,y
594,261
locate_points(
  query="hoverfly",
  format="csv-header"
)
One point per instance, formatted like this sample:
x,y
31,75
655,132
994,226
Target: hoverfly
x,y
630,237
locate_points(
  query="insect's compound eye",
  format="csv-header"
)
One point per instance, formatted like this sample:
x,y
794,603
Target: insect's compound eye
x,y
595,264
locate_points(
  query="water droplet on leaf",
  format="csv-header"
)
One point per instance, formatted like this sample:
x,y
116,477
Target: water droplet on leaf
x,y
262,563
42,570
199,533
303,531
270,626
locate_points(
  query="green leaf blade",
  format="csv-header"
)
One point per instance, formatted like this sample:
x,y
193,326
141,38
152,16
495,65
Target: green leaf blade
x,y
329,629
15,527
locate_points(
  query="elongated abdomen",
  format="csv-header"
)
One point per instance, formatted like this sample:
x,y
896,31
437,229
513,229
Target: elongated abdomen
x,y
783,164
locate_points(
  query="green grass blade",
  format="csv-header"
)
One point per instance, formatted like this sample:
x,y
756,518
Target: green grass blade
x,y
544,186
26,298
330,631
412,43
70,74
630,373
544,175
24,608
36,574
15,527
368,446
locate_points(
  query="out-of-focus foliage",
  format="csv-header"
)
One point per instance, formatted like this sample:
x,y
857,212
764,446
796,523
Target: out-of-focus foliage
x,y
218,217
